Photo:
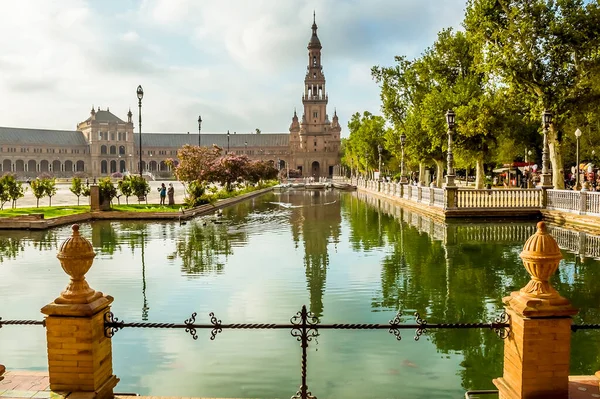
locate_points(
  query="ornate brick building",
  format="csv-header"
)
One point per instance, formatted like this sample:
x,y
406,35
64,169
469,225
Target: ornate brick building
x,y
104,144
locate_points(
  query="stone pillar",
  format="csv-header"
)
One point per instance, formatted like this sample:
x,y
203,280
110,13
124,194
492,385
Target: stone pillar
x,y
451,194
537,351
94,198
79,355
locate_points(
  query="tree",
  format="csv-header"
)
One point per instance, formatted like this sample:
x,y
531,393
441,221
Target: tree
x,y
107,190
366,134
125,188
50,189
38,188
4,194
13,187
546,52
77,187
139,187
194,162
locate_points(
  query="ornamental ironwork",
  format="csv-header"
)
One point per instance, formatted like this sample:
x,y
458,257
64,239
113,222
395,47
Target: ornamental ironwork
x,y
305,326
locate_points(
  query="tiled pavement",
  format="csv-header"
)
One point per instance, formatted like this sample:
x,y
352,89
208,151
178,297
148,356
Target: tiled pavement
x,y
36,384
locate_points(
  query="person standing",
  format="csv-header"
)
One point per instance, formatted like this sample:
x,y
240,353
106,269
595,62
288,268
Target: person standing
x,y
163,193
171,194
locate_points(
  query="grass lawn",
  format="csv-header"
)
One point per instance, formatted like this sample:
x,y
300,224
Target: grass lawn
x,y
145,208
48,211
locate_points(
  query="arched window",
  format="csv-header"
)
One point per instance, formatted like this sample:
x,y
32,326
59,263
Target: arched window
x,y
113,150
122,150
104,167
103,150
314,61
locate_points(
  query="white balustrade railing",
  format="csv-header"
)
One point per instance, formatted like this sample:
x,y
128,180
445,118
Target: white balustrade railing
x,y
584,203
438,197
511,198
592,202
566,200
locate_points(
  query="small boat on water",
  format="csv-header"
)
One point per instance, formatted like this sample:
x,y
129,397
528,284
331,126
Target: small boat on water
x,y
298,185
314,186
344,186
281,187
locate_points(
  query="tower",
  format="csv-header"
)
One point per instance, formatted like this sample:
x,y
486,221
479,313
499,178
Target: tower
x,y
314,142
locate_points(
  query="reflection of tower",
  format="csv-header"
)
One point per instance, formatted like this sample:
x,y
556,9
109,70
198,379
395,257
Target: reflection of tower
x,y
145,305
319,220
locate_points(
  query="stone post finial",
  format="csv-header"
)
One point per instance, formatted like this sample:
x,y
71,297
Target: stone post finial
x,y
541,257
76,256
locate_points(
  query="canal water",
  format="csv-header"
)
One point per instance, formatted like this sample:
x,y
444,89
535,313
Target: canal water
x,y
349,258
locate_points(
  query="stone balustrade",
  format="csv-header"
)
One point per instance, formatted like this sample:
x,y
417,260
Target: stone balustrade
x,y
461,200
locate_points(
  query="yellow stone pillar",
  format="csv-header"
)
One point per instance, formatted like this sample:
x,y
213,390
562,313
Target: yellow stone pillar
x,y
79,355
537,351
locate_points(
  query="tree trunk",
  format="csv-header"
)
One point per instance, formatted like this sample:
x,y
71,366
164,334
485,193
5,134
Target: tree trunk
x,y
479,173
38,202
558,173
78,200
422,173
50,201
439,174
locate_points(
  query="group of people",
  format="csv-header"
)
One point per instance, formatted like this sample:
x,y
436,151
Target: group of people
x,y
164,192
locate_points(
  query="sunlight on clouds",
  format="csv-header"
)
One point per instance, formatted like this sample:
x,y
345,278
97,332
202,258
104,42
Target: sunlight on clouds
x,y
241,64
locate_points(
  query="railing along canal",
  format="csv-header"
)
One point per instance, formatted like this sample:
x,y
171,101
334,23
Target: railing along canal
x,y
578,202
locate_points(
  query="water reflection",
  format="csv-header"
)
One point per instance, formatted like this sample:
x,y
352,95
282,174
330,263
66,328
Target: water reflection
x,y
354,258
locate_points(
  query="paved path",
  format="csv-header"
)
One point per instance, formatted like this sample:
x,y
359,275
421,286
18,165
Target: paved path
x,y
65,197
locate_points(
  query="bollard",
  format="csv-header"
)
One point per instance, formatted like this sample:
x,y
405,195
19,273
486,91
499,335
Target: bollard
x,y
79,355
537,352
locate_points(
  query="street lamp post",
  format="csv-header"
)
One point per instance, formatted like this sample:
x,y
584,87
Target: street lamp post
x,y
140,95
546,176
577,181
528,153
227,142
450,119
402,142
199,130
379,149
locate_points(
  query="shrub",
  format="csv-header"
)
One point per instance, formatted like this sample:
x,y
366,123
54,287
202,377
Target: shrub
x,y
12,187
139,186
107,190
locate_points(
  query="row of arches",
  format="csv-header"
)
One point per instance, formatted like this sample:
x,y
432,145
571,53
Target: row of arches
x,y
32,165
112,150
114,166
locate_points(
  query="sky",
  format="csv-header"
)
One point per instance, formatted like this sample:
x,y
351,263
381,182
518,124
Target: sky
x,y
239,64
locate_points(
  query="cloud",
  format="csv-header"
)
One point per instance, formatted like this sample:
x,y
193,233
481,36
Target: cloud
x,y
240,64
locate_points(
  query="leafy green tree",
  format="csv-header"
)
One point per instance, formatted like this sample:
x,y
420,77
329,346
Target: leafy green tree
x,y
50,189
367,132
38,188
546,51
77,187
125,188
4,194
13,187
107,190
139,187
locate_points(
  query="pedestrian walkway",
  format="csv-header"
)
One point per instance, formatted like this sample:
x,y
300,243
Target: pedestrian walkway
x,y
65,197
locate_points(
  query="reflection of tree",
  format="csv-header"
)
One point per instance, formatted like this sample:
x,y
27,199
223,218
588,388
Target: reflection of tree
x,y
317,217
461,282
10,247
202,249
105,238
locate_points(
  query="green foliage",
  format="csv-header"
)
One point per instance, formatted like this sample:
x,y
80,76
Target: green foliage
x,y
107,190
77,187
126,188
195,192
48,211
38,189
12,189
50,188
139,187
360,150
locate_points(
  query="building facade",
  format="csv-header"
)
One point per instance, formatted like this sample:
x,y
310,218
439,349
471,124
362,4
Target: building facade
x,y
104,144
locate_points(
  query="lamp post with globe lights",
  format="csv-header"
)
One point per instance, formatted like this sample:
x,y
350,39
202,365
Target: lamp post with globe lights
x,y
577,180
450,120
546,176
402,142
227,143
379,149
140,95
